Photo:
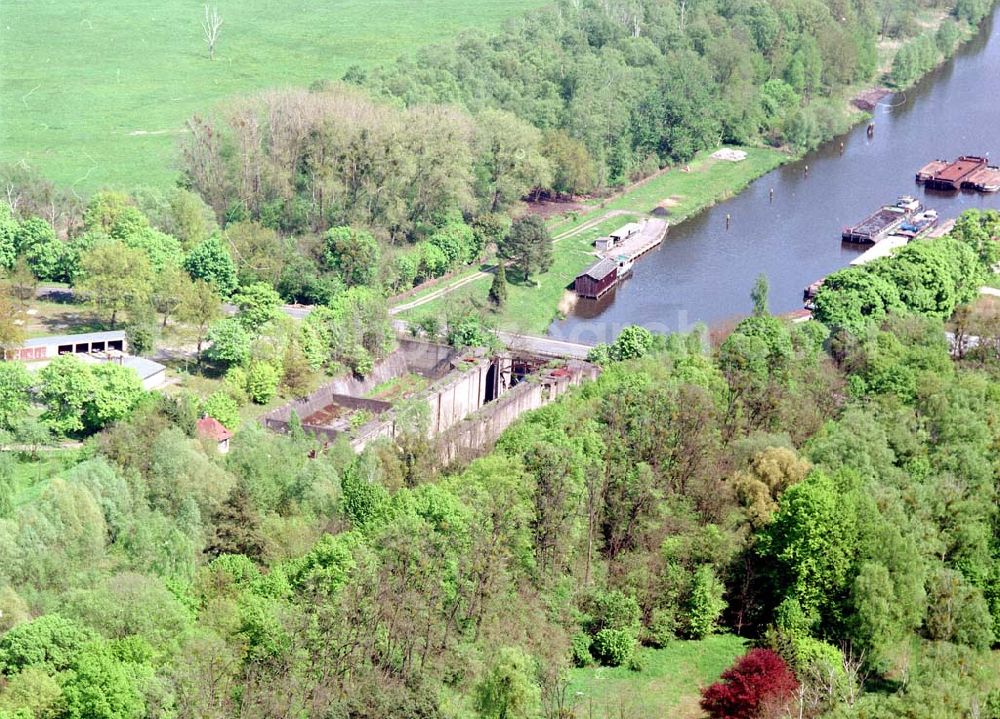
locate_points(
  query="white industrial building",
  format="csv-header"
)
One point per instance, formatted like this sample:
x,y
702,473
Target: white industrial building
x,y
90,347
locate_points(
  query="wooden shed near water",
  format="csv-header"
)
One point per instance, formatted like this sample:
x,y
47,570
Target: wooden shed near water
x,y
597,279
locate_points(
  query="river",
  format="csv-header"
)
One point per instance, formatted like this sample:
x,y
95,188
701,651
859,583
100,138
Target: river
x,y
704,272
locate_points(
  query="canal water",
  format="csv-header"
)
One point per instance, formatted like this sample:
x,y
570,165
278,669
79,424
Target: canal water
x,y
704,272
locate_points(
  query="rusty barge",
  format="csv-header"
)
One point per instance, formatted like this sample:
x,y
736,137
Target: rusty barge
x,y
883,222
968,172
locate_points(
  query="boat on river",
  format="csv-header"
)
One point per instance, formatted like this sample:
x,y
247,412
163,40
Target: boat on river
x,y
883,222
968,172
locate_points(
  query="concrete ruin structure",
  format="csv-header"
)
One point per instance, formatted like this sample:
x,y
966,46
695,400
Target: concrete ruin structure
x,y
471,397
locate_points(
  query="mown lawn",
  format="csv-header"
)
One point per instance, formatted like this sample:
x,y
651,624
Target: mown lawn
x,y
667,686
96,94
709,181
531,307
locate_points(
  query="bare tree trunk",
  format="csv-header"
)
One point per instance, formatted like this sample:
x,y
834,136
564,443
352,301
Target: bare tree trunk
x,y
212,25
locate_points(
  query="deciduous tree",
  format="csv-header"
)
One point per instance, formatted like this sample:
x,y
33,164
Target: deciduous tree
x,y
211,28
14,385
199,306
210,261
509,689
116,278
510,158
352,254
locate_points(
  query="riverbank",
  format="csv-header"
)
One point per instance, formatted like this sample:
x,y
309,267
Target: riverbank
x,y
675,195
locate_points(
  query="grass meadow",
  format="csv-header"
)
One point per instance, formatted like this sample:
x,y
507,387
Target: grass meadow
x,y
95,94
667,686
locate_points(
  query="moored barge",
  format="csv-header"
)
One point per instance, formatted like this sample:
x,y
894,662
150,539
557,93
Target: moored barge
x,y
968,172
882,222
618,252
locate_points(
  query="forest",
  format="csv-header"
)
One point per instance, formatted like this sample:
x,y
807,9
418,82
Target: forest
x,y
427,159
826,490
574,100
824,493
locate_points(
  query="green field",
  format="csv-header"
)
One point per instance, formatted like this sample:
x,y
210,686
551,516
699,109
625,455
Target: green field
x,y
667,686
96,94
532,307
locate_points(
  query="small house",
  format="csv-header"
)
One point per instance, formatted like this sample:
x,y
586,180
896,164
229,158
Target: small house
x,y
604,244
597,279
212,430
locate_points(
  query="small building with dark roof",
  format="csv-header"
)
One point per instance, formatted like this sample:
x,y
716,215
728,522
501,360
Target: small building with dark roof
x,y
597,279
603,244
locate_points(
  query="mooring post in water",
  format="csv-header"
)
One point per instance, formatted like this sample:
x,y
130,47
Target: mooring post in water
x,y
841,148
728,218
771,195
807,170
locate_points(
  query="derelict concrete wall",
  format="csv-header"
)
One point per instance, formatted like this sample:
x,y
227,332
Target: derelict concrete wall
x,y
458,398
410,356
449,403
478,433
427,358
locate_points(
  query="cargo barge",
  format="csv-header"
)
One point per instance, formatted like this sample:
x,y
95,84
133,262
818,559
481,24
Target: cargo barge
x,y
883,222
968,172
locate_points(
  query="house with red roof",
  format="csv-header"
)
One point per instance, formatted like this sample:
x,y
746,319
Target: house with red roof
x,y
210,428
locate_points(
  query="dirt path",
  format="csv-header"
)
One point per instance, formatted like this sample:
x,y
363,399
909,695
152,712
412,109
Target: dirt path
x,y
32,449
469,279
440,292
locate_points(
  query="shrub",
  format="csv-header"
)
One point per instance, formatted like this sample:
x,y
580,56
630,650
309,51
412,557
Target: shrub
x,y
141,338
662,627
235,385
706,603
614,626
613,647
633,342
223,408
262,382
230,342
579,647
759,679
457,241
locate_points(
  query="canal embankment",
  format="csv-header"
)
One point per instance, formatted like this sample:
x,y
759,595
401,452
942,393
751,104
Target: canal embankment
x,y
682,195
788,224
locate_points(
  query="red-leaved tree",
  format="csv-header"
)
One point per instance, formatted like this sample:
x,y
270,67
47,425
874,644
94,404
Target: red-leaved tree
x,y
758,683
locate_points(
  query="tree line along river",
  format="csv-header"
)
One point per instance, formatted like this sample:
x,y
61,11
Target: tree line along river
x,y
704,272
